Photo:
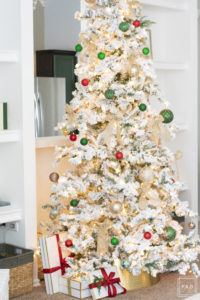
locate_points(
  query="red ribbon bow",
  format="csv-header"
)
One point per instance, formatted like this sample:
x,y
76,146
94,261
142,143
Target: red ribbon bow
x,y
108,281
63,263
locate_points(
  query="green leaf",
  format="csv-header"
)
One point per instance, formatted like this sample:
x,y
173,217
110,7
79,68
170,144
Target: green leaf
x,y
171,264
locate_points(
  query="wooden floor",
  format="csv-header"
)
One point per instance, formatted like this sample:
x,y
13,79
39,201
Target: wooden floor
x,y
166,289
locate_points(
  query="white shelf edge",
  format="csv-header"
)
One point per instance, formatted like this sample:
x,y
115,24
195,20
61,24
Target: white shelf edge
x,y
159,65
164,4
49,142
9,56
9,214
8,136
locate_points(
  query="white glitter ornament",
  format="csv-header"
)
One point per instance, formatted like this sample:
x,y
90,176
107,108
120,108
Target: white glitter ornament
x,y
146,174
116,207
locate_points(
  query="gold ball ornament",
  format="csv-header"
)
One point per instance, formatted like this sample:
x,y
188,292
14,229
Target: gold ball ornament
x,y
90,1
191,225
146,174
54,177
116,207
65,132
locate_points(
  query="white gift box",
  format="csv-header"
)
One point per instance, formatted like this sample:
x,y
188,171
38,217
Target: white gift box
x,y
50,260
4,287
76,287
102,291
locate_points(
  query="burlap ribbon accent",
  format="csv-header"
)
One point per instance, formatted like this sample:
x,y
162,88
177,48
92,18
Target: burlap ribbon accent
x,y
146,197
158,130
103,239
70,115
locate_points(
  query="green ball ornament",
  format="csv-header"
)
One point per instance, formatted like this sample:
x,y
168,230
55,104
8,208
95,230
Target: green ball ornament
x,y
79,48
109,94
84,141
125,263
145,51
74,203
167,115
142,107
114,241
170,234
101,55
124,26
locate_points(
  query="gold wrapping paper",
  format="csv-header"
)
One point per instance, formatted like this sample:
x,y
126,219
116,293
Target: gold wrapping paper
x,y
69,286
130,282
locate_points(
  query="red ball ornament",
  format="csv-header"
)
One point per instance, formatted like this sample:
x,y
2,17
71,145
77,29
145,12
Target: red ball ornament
x,y
68,243
137,23
147,235
173,181
73,137
119,155
85,82
71,255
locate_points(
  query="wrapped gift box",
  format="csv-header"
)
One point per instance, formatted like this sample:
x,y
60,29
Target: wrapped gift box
x,y
76,287
53,261
4,288
105,283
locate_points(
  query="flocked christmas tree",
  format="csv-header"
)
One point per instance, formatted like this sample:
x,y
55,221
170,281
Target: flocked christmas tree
x,y
119,199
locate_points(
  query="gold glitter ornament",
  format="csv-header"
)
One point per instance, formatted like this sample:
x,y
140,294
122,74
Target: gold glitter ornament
x,y
65,132
54,177
191,225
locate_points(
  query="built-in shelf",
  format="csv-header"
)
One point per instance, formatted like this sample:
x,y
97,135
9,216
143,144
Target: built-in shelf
x,y
9,214
165,4
8,56
50,141
170,66
8,136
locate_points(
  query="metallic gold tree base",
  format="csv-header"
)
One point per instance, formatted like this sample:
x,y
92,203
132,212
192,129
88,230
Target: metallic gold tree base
x,y
130,282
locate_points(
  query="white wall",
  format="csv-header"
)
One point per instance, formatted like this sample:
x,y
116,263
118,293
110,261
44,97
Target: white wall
x,y
199,98
175,41
61,29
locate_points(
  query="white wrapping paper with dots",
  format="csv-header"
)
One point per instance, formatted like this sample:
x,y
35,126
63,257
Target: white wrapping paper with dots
x,y
4,287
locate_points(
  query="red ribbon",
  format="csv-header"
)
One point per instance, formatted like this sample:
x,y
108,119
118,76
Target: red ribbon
x,y
109,282
63,263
